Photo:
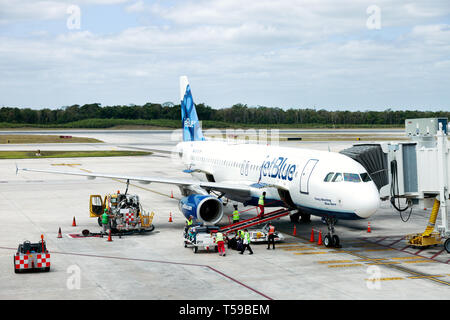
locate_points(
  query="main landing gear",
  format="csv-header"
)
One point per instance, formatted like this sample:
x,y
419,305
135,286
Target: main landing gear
x,y
303,217
331,239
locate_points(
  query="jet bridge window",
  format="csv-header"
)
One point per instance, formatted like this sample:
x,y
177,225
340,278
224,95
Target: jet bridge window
x,y
352,177
337,177
328,177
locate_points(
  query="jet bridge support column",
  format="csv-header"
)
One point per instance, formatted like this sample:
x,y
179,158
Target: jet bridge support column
x,y
442,161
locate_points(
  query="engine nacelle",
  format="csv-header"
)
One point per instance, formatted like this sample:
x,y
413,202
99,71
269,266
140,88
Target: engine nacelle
x,y
204,208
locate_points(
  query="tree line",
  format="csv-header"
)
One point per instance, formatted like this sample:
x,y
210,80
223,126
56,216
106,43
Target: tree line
x,y
237,114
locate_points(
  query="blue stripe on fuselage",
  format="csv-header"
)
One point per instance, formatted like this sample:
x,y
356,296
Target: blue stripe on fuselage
x,y
342,215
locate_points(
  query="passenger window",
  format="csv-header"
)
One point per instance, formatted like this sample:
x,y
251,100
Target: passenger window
x,y
337,177
351,177
365,177
328,177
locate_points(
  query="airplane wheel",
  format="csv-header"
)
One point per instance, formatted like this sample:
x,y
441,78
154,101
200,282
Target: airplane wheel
x,y
447,245
306,218
335,241
327,241
294,218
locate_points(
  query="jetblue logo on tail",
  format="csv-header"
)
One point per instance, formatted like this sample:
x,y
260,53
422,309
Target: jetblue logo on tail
x,y
191,126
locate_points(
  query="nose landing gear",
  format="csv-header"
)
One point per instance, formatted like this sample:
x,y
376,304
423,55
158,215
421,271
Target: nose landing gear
x,y
331,239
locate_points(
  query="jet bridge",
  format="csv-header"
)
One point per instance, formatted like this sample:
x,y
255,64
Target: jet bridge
x,y
414,172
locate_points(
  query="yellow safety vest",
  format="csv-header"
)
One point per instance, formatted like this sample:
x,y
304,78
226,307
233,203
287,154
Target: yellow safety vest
x,y
247,236
219,237
190,222
235,215
261,200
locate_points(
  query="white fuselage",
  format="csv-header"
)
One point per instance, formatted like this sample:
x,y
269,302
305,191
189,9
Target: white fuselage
x,y
299,172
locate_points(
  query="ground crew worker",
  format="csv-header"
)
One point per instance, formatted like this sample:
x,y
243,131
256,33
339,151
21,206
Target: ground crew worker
x,y
105,220
189,223
261,201
220,243
235,214
271,237
246,243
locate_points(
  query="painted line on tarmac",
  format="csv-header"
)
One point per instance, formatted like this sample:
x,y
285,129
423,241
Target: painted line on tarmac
x,y
345,265
416,253
392,266
420,261
335,261
314,252
385,279
160,261
406,258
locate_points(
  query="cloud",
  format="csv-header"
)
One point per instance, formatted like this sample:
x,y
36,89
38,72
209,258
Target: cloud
x,y
276,53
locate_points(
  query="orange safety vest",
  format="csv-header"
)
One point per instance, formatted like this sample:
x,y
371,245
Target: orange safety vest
x,y
271,230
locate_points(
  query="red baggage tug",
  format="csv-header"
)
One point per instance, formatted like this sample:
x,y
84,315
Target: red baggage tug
x,y
32,257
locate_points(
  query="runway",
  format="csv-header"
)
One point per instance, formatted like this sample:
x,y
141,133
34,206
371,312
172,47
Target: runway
x,y
157,266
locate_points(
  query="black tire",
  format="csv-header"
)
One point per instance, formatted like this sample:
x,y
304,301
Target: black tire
x,y
47,269
216,249
305,218
335,241
99,220
327,241
447,245
185,244
294,218
195,249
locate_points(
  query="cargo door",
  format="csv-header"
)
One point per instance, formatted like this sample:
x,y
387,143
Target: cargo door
x,y
96,205
306,173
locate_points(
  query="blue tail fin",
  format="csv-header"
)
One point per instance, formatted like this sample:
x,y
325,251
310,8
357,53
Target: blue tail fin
x,y
191,125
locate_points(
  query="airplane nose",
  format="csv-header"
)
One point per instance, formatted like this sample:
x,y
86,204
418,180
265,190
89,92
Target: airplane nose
x,y
368,204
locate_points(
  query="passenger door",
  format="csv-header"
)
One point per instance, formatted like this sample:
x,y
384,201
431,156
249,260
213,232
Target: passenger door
x,y
306,173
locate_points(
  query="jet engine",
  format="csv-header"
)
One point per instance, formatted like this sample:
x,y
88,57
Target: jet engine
x,y
204,208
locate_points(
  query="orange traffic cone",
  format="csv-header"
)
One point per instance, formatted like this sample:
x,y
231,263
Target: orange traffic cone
x,y
109,235
368,228
295,230
74,224
59,233
319,242
312,236
171,194
170,217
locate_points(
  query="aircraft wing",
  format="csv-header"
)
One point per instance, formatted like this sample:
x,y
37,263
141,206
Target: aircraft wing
x,y
241,190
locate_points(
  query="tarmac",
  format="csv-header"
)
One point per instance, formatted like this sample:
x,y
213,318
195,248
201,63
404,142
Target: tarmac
x,y
377,265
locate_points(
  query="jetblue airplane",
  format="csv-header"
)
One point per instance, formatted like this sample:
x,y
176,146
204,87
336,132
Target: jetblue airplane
x,y
325,184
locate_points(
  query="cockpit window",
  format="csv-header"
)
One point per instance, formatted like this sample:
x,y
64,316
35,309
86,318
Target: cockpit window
x,y
337,177
365,177
352,177
328,177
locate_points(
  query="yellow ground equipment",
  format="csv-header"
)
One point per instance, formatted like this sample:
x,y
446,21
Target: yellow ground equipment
x,y
125,211
428,237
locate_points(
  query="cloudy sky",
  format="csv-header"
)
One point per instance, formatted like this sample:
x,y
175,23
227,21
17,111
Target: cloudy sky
x,y
346,55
